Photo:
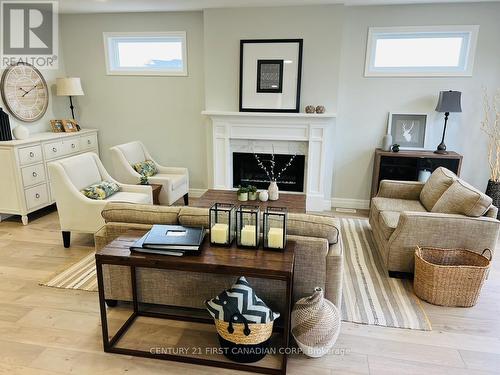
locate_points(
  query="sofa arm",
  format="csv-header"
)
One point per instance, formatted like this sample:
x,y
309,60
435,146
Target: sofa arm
x,y
400,189
335,273
112,231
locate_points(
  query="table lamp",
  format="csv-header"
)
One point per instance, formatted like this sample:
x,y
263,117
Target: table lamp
x,y
70,86
449,101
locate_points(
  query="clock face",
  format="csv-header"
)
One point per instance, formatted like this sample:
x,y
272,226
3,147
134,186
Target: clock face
x,y
25,92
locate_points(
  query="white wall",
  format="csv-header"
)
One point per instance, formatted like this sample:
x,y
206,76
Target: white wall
x,y
365,102
163,112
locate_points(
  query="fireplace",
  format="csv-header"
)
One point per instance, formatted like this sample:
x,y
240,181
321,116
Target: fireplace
x,y
246,171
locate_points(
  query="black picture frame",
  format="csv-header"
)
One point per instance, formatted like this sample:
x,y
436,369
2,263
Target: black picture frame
x,y
262,64
299,43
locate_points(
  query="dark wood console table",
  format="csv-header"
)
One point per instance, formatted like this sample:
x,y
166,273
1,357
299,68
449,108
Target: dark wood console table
x,y
405,165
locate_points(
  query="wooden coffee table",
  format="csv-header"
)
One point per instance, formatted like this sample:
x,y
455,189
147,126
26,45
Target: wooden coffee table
x,y
275,265
294,202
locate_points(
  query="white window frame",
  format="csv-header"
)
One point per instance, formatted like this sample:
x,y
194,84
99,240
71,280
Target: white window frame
x,y
469,32
110,70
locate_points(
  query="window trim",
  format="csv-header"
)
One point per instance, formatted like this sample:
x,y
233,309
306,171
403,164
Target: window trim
x,y
145,72
470,52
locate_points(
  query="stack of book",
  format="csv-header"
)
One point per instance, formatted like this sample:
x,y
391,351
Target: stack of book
x,y
173,240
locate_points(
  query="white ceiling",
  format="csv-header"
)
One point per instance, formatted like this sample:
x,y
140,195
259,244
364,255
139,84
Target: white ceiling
x,y
110,6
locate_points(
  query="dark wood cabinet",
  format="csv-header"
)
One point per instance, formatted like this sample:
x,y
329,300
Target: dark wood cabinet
x,y
405,165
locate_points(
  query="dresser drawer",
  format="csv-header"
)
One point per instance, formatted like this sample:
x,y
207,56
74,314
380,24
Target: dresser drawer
x,y
33,175
36,196
54,150
88,142
32,154
71,146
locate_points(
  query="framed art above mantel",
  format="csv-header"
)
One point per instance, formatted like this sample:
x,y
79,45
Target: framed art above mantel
x,y
270,75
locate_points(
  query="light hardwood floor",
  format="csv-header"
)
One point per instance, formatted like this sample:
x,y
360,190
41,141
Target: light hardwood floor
x,y
53,331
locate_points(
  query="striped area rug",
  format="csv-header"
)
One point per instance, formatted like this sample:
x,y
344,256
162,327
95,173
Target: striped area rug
x,y
81,276
370,296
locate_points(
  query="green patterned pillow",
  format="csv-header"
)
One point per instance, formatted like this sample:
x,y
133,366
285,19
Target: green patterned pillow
x,y
146,168
101,190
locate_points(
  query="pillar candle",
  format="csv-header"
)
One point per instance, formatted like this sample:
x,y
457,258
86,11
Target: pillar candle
x,y
275,238
248,235
218,233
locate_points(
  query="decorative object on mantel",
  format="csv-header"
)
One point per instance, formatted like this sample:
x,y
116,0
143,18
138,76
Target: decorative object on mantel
x,y
274,192
491,127
248,226
387,142
275,227
242,194
5,133
408,130
264,196
24,92
270,74
222,221
320,109
253,193
310,109
449,101
395,148
315,324
21,132
70,86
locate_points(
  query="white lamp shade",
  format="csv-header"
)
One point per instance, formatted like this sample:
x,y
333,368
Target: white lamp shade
x,y
70,86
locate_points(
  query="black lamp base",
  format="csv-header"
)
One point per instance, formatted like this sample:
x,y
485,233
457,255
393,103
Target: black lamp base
x,y
441,149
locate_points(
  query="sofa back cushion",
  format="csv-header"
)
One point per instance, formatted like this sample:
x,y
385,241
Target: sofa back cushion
x,y
193,216
440,180
82,170
116,212
462,198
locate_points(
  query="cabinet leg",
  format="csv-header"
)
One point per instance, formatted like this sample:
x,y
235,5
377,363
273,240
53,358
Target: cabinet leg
x,y
186,199
24,219
66,238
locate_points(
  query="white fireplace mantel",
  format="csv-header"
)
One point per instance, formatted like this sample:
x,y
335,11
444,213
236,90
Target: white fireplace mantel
x,y
314,130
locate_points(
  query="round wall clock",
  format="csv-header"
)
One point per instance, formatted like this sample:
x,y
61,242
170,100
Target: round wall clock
x,y
24,92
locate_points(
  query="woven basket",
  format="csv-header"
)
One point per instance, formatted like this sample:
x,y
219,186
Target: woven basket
x,y
449,277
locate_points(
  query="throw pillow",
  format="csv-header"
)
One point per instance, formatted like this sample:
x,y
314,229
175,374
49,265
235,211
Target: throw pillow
x,y
146,168
463,199
101,190
440,180
226,304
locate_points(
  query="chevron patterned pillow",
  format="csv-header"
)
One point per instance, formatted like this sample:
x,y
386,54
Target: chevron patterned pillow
x,y
240,298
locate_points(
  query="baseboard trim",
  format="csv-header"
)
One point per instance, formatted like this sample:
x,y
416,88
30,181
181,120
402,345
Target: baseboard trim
x,y
360,204
196,193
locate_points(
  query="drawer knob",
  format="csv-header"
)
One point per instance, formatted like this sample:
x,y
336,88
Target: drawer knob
x,y
32,154
37,195
54,149
73,145
88,142
35,174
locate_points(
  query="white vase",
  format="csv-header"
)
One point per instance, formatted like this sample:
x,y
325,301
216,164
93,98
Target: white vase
x,y
21,132
273,190
263,196
387,142
242,197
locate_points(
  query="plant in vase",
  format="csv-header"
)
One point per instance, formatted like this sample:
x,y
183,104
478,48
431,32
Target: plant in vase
x,y
491,127
270,172
252,192
242,194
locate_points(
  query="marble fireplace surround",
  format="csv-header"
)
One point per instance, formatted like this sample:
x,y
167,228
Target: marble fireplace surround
x,y
307,134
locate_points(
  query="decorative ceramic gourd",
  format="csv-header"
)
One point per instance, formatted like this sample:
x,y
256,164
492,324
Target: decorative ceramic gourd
x,y
315,324
263,196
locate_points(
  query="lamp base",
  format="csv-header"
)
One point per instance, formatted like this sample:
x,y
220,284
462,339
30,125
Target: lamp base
x,y
441,152
441,149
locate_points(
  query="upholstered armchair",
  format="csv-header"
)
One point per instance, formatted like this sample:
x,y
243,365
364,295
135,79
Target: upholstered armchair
x,y
77,213
444,212
174,181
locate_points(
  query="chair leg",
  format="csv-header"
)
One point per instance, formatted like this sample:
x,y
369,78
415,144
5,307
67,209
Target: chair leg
x,y
186,199
66,238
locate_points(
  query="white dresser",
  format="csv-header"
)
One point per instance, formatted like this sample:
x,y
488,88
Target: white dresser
x,y
24,183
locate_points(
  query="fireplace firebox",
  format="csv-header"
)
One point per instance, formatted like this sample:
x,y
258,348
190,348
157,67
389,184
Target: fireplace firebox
x,y
246,171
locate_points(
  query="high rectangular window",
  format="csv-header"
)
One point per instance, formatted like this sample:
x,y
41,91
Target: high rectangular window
x,y
421,51
151,53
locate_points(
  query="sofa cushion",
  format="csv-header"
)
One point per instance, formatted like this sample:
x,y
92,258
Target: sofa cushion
x,y
380,204
462,198
388,221
101,190
314,226
128,197
116,212
193,216
440,180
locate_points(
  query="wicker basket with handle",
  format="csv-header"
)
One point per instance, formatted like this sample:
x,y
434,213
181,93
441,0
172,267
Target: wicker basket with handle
x,y
450,277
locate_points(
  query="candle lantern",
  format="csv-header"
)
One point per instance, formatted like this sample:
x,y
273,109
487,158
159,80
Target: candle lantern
x,y
248,226
275,228
222,222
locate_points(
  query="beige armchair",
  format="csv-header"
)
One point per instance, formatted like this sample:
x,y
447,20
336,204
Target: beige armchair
x,y
175,181
77,213
445,212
